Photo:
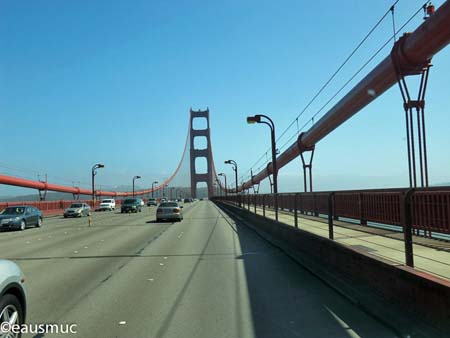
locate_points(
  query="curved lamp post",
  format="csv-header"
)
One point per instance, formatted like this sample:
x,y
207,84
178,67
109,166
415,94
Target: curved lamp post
x,y
268,121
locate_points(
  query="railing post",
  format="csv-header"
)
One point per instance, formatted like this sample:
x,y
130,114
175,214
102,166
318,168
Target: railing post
x,y
264,205
254,202
330,216
315,212
362,219
295,211
301,205
407,228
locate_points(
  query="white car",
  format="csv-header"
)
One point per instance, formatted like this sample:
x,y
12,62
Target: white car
x,y
107,204
13,304
169,211
141,201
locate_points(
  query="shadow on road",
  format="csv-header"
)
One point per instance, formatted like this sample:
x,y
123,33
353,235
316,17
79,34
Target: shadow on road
x,y
287,300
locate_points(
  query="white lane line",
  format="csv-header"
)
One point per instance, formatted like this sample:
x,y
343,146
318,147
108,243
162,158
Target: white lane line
x,y
76,251
123,322
162,264
150,279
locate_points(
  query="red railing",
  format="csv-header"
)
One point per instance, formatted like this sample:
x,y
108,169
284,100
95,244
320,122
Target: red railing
x,y
50,208
430,207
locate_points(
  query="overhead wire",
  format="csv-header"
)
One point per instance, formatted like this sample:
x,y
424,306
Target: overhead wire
x,y
325,85
311,120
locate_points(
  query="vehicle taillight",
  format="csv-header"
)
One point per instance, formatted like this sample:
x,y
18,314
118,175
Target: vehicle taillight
x,y
176,210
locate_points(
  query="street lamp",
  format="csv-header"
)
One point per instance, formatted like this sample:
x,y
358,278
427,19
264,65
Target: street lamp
x,y
171,192
235,168
225,177
153,183
269,122
134,179
94,172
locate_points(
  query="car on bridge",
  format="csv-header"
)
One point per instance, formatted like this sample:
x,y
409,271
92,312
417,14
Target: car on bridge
x,y
77,210
107,204
19,217
131,205
169,211
151,201
13,304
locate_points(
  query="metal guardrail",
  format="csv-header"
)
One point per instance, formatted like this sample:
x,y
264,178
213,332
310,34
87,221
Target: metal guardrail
x,y
420,211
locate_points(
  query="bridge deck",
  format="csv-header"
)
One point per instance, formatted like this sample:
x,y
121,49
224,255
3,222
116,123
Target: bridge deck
x,y
207,276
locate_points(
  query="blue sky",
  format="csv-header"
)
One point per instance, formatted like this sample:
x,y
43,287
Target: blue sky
x,y
113,81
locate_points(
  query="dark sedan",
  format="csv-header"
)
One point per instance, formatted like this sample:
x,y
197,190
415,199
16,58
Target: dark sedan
x,y
131,205
19,217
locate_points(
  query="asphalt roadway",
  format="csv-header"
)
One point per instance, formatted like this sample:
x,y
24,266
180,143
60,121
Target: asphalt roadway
x,y
129,276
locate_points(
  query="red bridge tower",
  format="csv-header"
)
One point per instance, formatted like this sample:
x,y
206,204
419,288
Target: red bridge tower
x,y
201,177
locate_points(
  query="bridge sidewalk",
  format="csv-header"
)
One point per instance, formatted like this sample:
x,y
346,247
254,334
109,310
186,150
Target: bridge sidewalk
x,y
430,256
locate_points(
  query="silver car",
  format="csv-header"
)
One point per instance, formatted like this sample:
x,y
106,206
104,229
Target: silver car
x,y
77,210
13,304
169,211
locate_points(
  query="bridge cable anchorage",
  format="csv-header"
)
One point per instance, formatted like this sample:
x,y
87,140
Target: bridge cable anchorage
x,y
307,165
428,10
43,192
255,186
404,68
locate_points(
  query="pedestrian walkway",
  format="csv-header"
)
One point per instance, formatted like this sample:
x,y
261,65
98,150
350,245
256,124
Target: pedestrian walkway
x,y
430,256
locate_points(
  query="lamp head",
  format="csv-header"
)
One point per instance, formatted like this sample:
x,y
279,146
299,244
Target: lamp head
x,y
254,119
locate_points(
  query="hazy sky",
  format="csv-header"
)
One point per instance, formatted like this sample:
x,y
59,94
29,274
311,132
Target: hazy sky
x,y
83,82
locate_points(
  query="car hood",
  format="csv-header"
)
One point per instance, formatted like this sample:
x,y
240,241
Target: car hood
x,y
9,273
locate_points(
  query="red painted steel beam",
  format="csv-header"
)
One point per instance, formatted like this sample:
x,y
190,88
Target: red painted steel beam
x,y
25,183
414,50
